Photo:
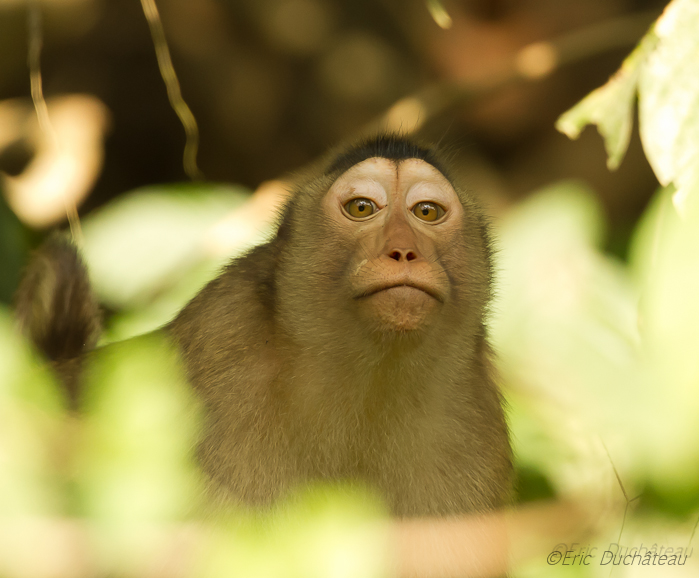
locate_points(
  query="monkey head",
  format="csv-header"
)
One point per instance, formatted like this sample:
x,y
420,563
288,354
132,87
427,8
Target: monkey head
x,y
394,213
390,241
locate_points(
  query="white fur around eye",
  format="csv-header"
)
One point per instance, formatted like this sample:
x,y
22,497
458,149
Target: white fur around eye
x,y
361,188
434,191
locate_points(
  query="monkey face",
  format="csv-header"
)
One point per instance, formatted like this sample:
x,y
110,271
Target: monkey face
x,y
396,215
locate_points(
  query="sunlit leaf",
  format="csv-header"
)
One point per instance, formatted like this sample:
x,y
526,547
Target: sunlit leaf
x,y
31,412
565,331
322,532
669,99
165,306
135,468
138,244
665,257
610,107
664,70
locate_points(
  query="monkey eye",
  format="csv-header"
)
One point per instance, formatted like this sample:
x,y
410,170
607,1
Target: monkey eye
x,y
360,208
427,211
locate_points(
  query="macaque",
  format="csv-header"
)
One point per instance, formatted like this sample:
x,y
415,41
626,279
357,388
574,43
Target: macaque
x,y
351,346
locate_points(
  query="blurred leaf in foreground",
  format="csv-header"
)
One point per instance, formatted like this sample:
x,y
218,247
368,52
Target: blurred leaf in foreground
x,y
135,466
142,241
163,308
579,371
665,259
323,532
564,328
31,413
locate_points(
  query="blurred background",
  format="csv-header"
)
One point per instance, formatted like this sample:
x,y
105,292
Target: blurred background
x,y
273,84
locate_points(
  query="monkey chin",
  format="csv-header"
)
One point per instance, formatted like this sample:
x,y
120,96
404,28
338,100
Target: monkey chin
x,y
401,309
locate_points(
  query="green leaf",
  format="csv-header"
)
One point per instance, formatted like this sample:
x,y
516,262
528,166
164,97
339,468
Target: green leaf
x,y
669,100
31,410
321,532
665,258
610,107
664,71
566,336
141,242
135,469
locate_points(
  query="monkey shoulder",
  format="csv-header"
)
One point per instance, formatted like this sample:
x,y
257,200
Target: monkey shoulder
x,y
226,340
225,332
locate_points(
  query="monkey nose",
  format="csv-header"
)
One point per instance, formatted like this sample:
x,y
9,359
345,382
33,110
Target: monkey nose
x,y
403,255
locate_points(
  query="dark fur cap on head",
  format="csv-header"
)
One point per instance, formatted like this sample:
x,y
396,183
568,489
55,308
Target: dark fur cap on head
x,y
387,146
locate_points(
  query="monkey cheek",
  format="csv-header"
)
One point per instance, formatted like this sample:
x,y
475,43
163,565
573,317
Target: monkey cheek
x,y
401,309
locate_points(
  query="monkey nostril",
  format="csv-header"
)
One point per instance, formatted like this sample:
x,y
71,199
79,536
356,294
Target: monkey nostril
x,y
402,255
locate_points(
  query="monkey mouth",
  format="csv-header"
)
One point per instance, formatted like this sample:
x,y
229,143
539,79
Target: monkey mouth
x,y
374,289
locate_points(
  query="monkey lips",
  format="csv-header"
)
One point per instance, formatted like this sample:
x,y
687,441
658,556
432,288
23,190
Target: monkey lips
x,y
402,304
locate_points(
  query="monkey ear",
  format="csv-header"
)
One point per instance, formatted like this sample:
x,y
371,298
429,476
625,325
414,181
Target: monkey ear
x,y
55,306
